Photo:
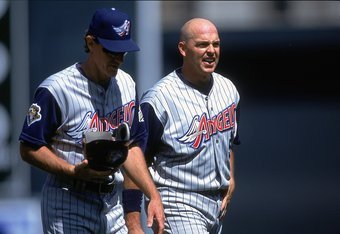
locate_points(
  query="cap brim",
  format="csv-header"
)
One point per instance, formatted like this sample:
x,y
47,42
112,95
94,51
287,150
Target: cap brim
x,y
119,45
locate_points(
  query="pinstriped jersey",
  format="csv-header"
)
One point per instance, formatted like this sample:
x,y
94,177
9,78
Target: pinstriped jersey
x,y
82,104
195,133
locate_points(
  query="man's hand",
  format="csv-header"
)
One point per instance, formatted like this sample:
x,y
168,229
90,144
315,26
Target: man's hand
x,y
227,195
155,213
84,172
136,169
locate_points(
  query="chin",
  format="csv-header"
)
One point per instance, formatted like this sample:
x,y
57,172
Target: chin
x,y
209,71
113,72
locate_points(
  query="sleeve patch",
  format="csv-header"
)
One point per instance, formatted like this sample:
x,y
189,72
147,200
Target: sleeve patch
x,y
33,114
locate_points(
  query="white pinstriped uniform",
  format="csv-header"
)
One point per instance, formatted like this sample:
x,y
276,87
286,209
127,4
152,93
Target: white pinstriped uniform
x,y
84,105
191,164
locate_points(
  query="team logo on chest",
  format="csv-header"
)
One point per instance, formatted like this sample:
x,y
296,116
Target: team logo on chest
x,y
93,120
33,114
202,128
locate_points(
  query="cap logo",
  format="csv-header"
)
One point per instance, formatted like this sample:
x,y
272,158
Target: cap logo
x,y
124,29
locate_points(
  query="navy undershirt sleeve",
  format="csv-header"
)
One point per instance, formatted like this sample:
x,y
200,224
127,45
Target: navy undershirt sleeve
x,y
138,130
155,131
237,140
42,119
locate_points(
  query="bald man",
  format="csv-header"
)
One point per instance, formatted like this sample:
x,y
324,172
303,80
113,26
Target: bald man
x,y
192,119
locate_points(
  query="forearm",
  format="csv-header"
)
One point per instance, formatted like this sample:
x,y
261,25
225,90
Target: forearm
x,y
133,222
232,167
228,193
136,169
44,159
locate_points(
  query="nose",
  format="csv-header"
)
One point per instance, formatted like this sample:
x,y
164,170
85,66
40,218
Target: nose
x,y
118,58
211,49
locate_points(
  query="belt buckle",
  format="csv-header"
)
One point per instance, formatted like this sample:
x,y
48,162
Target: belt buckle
x,y
108,186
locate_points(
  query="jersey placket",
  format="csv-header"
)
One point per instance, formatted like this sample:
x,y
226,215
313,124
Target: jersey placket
x,y
102,112
214,137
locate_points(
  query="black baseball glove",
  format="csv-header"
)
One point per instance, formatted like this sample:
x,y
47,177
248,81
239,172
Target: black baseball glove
x,y
106,150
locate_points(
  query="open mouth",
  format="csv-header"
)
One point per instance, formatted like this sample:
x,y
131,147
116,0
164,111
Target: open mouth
x,y
209,60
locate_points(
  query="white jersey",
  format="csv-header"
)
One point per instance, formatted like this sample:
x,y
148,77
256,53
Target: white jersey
x,y
198,130
65,105
87,105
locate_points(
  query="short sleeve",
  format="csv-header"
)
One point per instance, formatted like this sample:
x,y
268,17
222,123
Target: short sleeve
x,y
42,120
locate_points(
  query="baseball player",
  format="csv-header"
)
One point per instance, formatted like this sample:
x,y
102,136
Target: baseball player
x,y
191,116
94,95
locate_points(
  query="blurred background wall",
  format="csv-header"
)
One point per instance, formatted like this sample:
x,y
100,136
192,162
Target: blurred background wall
x,y
282,55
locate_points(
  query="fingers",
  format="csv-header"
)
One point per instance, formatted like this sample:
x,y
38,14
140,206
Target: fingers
x,y
160,227
83,171
225,202
158,224
155,220
222,213
149,221
81,165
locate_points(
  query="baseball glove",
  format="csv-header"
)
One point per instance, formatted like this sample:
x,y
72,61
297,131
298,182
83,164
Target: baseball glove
x,y
106,150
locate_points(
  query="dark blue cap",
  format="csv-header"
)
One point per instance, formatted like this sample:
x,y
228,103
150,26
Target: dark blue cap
x,y
112,28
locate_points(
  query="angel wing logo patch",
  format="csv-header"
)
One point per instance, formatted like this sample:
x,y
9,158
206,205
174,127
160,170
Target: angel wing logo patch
x,y
124,29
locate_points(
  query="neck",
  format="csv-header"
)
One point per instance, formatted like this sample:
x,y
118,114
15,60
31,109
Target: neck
x,y
199,80
91,72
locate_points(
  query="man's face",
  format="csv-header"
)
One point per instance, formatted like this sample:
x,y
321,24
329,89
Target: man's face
x,y
202,52
108,62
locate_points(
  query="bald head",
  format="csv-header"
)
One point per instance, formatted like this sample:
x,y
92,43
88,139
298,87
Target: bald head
x,y
196,26
199,46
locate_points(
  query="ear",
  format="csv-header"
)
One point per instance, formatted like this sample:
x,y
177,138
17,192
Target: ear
x,y
181,48
89,41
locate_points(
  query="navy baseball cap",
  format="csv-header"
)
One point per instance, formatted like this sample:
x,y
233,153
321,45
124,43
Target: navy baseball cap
x,y
112,28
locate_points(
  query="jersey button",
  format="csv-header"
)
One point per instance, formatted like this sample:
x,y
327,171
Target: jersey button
x,y
217,141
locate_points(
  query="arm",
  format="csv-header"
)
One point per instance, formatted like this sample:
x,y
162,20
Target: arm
x,y
227,195
35,138
44,159
135,167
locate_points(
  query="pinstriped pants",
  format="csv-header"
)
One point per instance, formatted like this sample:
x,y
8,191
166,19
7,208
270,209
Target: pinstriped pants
x,y
65,210
191,212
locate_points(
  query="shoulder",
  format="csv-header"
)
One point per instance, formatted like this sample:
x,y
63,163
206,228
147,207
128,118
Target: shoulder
x,y
161,87
222,82
220,78
61,78
124,76
63,83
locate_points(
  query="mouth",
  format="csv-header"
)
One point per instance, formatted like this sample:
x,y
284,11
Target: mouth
x,y
114,65
209,61
112,68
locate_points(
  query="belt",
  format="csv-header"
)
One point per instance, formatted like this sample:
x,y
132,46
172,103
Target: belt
x,y
82,186
212,193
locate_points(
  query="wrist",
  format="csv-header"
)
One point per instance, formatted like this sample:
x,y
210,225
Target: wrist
x,y
132,200
133,222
